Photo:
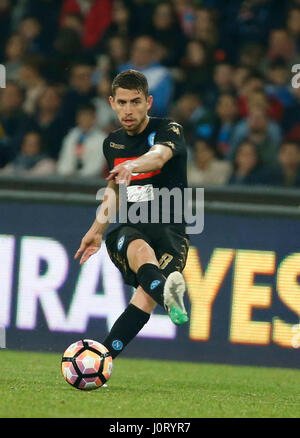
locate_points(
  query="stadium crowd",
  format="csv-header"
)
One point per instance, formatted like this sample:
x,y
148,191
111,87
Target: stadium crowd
x,y
221,69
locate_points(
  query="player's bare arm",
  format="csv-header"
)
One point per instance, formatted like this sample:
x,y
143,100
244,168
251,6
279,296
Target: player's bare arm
x,y
153,160
92,240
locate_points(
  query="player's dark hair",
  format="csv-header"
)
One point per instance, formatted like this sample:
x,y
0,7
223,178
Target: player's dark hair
x,y
130,80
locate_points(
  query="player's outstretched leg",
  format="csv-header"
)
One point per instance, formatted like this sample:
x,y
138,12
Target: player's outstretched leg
x,y
166,292
174,290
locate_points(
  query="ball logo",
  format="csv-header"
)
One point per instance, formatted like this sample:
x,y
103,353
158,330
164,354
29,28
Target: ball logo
x,y
154,284
151,138
117,345
121,243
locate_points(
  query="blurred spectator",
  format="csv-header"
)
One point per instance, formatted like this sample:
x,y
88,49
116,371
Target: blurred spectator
x,y
252,93
278,82
14,123
205,27
80,91
143,58
74,21
282,45
166,31
250,84
30,30
293,24
15,49
117,48
286,171
30,77
205,169
121,24
66,49
31,160
107,119
240,75
196,67
97,17
49,120
247,167
291,119
258,99
186,13
259,130
115,53
222,83
46,12
141,14
227,117
82,154
251,56
270,104
247,21
196,120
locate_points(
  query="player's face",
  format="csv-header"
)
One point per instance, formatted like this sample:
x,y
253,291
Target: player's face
x,y
131,107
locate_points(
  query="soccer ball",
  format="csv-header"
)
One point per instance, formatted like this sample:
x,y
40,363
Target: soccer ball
x,y
86,364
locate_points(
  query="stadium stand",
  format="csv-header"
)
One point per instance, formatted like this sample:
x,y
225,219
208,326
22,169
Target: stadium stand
x,y
221,69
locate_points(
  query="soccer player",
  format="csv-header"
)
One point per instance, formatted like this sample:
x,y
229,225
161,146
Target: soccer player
x,y
145,155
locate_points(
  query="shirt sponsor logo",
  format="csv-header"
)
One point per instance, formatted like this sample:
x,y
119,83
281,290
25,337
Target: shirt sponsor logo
x,y
116,145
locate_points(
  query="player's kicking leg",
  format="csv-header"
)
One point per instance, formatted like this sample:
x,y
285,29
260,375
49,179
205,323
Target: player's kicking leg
x,y
153,288
168,292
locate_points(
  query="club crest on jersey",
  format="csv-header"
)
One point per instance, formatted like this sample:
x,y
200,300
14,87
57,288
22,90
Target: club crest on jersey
x,y
151,138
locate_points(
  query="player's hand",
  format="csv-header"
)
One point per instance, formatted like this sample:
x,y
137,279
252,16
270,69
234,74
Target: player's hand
x,y
90,244
121,173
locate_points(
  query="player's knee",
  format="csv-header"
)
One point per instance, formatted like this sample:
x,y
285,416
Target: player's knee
x,y
140,252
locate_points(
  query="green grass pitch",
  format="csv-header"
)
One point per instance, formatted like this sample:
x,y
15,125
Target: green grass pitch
x,y
31,386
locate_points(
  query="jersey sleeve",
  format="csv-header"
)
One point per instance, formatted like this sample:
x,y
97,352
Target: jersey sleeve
x,y
107,154
171,134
